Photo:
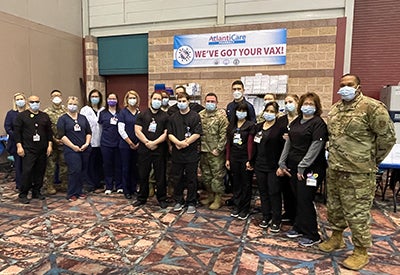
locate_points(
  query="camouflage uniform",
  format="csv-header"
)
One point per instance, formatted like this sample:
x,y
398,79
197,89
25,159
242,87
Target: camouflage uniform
x,y
57,156
361,134
214,137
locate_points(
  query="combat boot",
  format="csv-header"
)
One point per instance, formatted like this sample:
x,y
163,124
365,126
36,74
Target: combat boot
x,y
49,187
151,190
357,260
209,199
334,242
217,202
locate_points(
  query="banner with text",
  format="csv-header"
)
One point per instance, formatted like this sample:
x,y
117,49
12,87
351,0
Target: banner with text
x,y
247,48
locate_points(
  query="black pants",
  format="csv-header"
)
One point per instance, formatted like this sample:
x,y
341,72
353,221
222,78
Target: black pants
x,y
33,169
306,215
145,163
269,186
289,199
241,185
190,170
95,171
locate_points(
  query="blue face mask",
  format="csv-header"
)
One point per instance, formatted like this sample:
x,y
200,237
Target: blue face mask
x,y
95,100
290,107
35,106
241,115
165,101
156,104
210,106
308,109
20,103
347,93
269,116
182,105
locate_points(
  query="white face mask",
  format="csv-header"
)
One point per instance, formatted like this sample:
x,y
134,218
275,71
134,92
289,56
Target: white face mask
x,y
237,94
72,108
132,101
57,100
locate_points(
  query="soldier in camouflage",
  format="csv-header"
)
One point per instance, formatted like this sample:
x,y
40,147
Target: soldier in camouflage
x,y
57,157
361,134
213,143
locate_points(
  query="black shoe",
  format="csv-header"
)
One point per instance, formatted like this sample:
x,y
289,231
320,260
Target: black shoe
x,y
243,215
138,203
128,196
38,196
163,204
275,228
265,223
24,200
235,212
229,202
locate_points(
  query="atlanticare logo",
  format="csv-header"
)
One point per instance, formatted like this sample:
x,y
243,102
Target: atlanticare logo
x,y
223,39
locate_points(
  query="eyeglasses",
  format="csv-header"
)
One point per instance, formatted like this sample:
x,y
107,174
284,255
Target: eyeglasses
x,y
34,101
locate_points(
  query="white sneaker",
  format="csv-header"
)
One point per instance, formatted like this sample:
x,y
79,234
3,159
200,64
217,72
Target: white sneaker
x,y
178,207
191,209
120,191
108,192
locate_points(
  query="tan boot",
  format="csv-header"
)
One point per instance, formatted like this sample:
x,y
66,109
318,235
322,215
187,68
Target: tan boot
x,y
334,242
217,202
151,190
50,190
209,199
357,260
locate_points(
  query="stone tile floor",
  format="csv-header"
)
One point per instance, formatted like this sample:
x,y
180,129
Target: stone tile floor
x,y
106,235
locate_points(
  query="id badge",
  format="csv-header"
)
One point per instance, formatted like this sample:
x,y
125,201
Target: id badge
x,y
36,138
258,137
77,128
113,121
237,138
152,127
311,180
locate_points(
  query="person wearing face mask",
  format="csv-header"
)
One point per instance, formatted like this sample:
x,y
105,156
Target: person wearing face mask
x,y
213,141
361,134
19,105
238,90
194,106
289,200
34,137
74,131
55,111
238,154
268,145
151,130
268,97
92,111
165,101
184,131
129,143
303,160
109,142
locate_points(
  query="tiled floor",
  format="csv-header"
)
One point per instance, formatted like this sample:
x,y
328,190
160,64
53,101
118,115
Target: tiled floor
x,y
106,235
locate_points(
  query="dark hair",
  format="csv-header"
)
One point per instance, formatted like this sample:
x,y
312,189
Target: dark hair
x,y
100,97
212,94
156,92
55,91
117,107
315,98
238,82
273,104
181,87
355,76
183,94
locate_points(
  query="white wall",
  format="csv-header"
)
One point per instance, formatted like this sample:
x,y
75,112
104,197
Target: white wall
x,y
116,17
63,15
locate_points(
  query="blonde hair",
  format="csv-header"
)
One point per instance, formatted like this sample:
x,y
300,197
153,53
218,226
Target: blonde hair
x,y
131,92
15,107
74,98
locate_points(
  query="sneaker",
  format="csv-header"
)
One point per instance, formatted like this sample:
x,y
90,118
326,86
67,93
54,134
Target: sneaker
x,y
264,223
24,200
243,215
286,218
82,196
107,192
307,242
275,228
72,198
120,191
293,234
138,203
191,209
163,204
178,207
235,213
38,196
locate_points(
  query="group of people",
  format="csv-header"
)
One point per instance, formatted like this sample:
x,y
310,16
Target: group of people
x,y
286,151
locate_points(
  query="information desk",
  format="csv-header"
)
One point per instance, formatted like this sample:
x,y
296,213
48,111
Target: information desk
x,y
391,164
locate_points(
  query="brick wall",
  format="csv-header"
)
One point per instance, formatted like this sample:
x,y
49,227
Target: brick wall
x,y
310,63
92,77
